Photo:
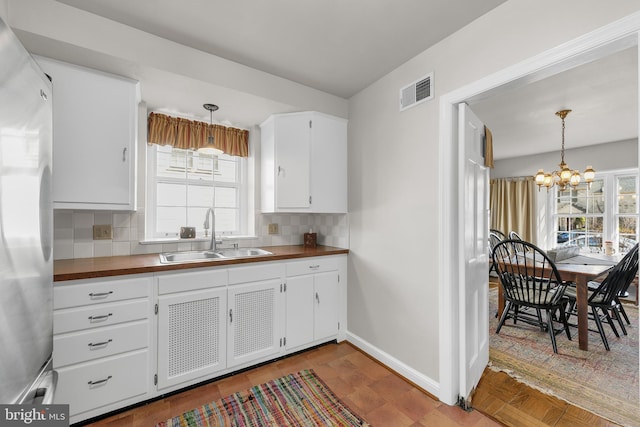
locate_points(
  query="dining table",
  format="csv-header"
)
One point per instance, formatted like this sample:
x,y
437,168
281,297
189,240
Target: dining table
x,y
580,270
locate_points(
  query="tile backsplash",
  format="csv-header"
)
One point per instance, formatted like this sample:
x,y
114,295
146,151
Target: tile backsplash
x,y
73,233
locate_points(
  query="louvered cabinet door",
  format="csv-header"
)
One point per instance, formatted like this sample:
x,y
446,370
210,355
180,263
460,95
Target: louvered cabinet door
x,y
253,319
191,335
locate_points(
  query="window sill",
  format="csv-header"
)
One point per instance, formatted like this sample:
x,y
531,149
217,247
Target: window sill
x,y
195,240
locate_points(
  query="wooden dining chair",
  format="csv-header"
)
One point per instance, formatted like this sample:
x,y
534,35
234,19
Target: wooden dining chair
x,y
604,301
494,239
531,285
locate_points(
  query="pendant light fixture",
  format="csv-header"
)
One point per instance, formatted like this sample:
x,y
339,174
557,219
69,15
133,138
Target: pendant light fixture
x,y
565,176
210,148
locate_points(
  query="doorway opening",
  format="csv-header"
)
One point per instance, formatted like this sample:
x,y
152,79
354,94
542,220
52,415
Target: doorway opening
x,y
610,39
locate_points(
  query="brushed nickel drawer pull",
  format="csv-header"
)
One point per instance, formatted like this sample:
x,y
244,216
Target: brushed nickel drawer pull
x,y
99,344
99,381
100,294
101,317
314,267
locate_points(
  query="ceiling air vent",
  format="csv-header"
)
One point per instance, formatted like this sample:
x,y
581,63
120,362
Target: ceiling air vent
x,y
417,92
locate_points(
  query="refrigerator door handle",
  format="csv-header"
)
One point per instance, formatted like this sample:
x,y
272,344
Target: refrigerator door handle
x,y
47,388
42,391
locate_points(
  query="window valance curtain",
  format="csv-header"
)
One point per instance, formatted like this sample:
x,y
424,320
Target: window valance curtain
x,y
191,135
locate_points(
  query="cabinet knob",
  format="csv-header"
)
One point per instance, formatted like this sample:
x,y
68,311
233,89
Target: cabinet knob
x,y
279,170
124,154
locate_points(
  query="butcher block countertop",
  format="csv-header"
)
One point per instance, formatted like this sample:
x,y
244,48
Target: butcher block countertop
x,y
87,268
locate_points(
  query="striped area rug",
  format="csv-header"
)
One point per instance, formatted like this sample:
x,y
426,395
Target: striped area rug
x,y
300,399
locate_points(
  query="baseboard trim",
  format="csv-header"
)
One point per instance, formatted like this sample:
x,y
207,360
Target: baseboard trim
x,y
428,384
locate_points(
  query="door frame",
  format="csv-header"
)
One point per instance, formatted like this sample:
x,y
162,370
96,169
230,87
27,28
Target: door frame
x,y
604,41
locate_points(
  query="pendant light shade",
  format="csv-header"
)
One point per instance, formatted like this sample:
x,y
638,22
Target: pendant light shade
x,y
210,148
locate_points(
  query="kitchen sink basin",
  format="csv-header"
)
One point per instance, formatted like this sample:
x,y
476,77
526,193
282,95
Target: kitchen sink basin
x,y
242,252
189,256
195,256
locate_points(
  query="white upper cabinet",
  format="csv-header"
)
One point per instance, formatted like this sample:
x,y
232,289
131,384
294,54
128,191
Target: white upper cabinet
x,y
95,119
304,163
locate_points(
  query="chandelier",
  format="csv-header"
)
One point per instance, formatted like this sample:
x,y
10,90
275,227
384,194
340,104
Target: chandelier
x,y
565,176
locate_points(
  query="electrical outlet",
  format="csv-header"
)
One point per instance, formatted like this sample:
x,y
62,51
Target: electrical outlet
x,y
102,232
273,228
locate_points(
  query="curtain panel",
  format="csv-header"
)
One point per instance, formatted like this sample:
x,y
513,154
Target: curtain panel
x,y
191,135
512,203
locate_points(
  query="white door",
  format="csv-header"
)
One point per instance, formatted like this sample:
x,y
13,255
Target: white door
x,y
474,255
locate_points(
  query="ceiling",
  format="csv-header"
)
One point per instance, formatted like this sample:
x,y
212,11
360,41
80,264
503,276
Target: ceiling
x,y
336,46
341,47
603,97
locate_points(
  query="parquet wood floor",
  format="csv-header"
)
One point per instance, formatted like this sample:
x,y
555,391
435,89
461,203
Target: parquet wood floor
x,y
377,394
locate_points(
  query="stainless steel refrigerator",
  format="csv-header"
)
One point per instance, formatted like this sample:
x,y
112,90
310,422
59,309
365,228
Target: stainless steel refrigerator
x,y
26,227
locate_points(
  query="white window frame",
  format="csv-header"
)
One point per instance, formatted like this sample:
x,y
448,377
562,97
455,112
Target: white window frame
x,y
611,214
241,185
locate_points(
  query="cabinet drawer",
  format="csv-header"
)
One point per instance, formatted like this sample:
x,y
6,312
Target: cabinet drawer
x,y
99,342
311,265
192,281
255,273
96,292
95,316
102,382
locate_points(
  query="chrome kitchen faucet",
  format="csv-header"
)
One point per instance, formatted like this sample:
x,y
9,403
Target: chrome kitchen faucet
x,y
213,246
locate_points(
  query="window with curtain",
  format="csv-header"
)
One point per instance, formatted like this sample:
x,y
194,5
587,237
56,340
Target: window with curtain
x,y
586,217
183,183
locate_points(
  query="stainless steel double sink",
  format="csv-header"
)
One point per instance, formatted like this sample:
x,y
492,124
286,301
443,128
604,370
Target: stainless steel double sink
x,y
221,254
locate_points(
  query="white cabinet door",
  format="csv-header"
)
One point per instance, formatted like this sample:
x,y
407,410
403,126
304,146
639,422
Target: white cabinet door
x,y
191,335
312,307
304,163
94,134
328,164
299,311
326,305
293,156
253,317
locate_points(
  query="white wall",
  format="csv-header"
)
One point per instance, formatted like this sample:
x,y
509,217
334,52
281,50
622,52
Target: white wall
x,y
393,171
603,157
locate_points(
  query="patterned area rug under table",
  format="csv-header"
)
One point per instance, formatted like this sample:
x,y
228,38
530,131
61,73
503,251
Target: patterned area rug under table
x,y
300,399
600,381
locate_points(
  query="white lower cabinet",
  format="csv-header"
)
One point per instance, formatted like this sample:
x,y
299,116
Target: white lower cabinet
x,y
254,320
191,326
88,386
101,343
114,338
312,301
191,335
